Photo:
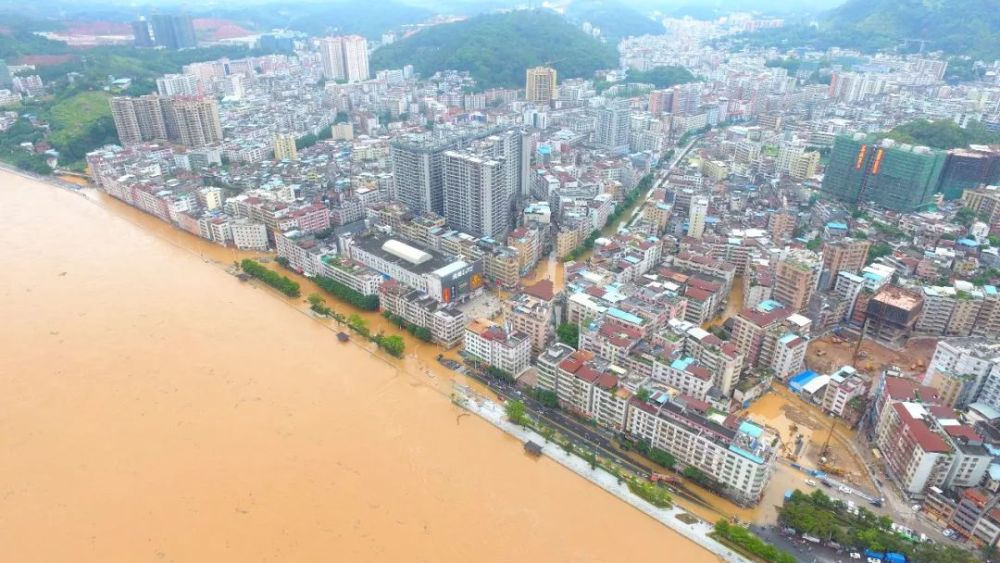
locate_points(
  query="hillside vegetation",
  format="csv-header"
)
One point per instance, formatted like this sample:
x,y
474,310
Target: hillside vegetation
x,y
497,48
957,27
662,76
615,19
944,134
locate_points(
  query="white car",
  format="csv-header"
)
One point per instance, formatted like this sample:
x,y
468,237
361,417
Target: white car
x,y
810,482
845,490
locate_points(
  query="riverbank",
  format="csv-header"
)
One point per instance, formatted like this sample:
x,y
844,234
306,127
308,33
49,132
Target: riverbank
x,y
155,410
699,531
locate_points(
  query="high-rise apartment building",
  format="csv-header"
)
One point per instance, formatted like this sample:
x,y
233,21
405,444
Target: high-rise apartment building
x,y
141,33
284,146
685,99
844,255
6,80
173,31
896,176
612,126
418,164
984,201
178,85
969,168
540,85
344,58
192,121
476,197
696,219
138,119
660,101
796,277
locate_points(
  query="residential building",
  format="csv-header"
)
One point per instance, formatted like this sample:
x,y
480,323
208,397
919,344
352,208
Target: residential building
x,y
540,85
531,312
284,146
896,176
593,389
172,31
736,454
612,127
248,234
845,385
796,277
344,58
445,321
547,364
178,85
192,121
925,445
964,370
509,351
843,255
696,218
476,196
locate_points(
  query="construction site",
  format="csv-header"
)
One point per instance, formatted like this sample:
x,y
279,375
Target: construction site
x,y
828,353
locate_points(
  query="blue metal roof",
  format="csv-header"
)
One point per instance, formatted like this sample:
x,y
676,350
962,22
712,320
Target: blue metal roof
x,y
799,381
752,429
682,363
623,316
769,305
746,454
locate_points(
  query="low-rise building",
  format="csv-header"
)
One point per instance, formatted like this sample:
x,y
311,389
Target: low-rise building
x,y
509,351
445,321
735,454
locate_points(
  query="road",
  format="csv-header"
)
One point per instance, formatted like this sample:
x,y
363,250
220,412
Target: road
x,y
581,434
803,551
661,178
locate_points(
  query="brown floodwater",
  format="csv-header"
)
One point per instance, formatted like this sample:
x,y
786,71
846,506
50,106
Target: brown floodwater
x,y
153,408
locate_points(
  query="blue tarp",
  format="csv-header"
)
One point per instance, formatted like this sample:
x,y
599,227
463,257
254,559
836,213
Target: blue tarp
x,y
799,381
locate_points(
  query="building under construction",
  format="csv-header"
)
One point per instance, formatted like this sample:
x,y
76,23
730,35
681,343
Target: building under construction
x,y
891,314
894,175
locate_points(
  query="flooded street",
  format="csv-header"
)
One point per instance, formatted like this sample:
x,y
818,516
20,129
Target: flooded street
x,y
153,408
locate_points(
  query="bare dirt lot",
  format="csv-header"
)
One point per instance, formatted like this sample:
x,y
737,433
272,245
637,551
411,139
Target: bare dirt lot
x,y
828,353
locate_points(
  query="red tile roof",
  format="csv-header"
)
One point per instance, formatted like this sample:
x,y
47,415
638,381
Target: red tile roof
x,y
542,289
927,439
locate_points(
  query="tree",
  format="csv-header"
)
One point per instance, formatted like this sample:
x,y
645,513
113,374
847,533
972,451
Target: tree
x,y
283,262
394,345
548,433
642,394
357,322
515,411
877,251
271,278
569,334
814,244
965,216
666,459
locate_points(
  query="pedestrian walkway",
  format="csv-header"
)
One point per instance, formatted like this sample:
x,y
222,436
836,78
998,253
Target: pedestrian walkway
x,y
697,532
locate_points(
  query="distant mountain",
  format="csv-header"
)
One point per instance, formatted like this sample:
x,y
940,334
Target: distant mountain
x,y
957,27
497,48
616,20
361,17
954,26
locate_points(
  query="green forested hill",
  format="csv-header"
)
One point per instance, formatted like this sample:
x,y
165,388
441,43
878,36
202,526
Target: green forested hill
x,y
615,19
957,27
497,48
